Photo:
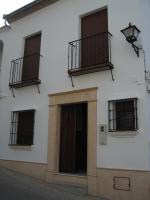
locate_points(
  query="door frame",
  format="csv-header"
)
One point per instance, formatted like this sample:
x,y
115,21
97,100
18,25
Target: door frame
x,y
89,96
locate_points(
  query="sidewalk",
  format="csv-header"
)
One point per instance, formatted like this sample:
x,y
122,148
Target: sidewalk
x,y
16,186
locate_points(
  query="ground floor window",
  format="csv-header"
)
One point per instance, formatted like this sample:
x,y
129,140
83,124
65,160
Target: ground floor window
x,y
123,115
22,127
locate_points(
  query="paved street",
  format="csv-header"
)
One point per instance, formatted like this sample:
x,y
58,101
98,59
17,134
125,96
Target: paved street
x,y
15,186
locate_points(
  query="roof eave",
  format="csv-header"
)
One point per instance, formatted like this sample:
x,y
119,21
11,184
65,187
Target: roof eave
x,y
27,10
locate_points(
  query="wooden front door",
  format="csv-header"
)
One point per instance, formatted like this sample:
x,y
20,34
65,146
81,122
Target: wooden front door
x,y
94,45
31,59
73,139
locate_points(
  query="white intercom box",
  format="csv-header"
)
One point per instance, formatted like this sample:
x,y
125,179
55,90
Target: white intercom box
x,y
102,130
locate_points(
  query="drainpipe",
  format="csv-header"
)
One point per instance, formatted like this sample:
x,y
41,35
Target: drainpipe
x,y
5,20
1,54
147,73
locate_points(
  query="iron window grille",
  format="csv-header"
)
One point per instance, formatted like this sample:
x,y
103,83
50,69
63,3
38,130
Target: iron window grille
x,y
22,128
122,115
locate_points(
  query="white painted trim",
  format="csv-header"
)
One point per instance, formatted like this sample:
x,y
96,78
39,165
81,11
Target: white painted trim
x,y
122,97
121,134
19,108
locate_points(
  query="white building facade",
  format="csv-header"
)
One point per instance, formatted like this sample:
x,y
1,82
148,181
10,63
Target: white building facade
x,y
87,124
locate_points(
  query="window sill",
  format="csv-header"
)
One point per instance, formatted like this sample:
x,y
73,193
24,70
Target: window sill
x,y
127,133
22,147
24,83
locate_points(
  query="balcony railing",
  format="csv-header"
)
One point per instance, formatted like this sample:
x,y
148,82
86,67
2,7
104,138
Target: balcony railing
x,y
25,71
90,54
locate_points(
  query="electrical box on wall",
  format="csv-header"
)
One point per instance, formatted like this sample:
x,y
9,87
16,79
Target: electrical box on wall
x,y
102,129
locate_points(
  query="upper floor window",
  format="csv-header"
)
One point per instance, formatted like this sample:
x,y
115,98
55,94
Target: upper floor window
x,y
92,52
22,127
123,115
25,70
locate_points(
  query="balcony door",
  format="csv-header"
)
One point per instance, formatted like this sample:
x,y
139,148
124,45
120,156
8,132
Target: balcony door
x,y
73,139
30,68
94,45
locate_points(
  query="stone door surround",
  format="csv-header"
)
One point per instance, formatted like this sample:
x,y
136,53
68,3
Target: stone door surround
x,y
89,96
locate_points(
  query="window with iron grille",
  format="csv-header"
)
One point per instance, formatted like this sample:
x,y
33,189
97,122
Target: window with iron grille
x,y
122,115
22,127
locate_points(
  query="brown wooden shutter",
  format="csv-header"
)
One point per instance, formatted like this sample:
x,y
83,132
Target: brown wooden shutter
x,y
94,49
68,140
25,127
30,70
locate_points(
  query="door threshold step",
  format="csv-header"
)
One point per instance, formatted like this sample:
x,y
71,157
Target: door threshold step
x,y
80,190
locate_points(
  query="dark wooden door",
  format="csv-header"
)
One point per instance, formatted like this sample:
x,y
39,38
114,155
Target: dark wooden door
x,y
73,140
31,59
81,138
68,140
94,45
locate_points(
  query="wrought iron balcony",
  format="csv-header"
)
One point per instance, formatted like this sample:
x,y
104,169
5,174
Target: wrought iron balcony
x,y
25,71
90,54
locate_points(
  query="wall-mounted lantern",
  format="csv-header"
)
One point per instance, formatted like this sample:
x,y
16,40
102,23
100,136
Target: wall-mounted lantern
x,y
131,33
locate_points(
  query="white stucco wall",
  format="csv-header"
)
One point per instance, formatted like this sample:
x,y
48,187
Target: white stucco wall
x,y
145,28
145,31
60,24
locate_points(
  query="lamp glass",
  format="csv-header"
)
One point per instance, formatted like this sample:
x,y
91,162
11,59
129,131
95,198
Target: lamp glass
x,y
136,32
129,32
